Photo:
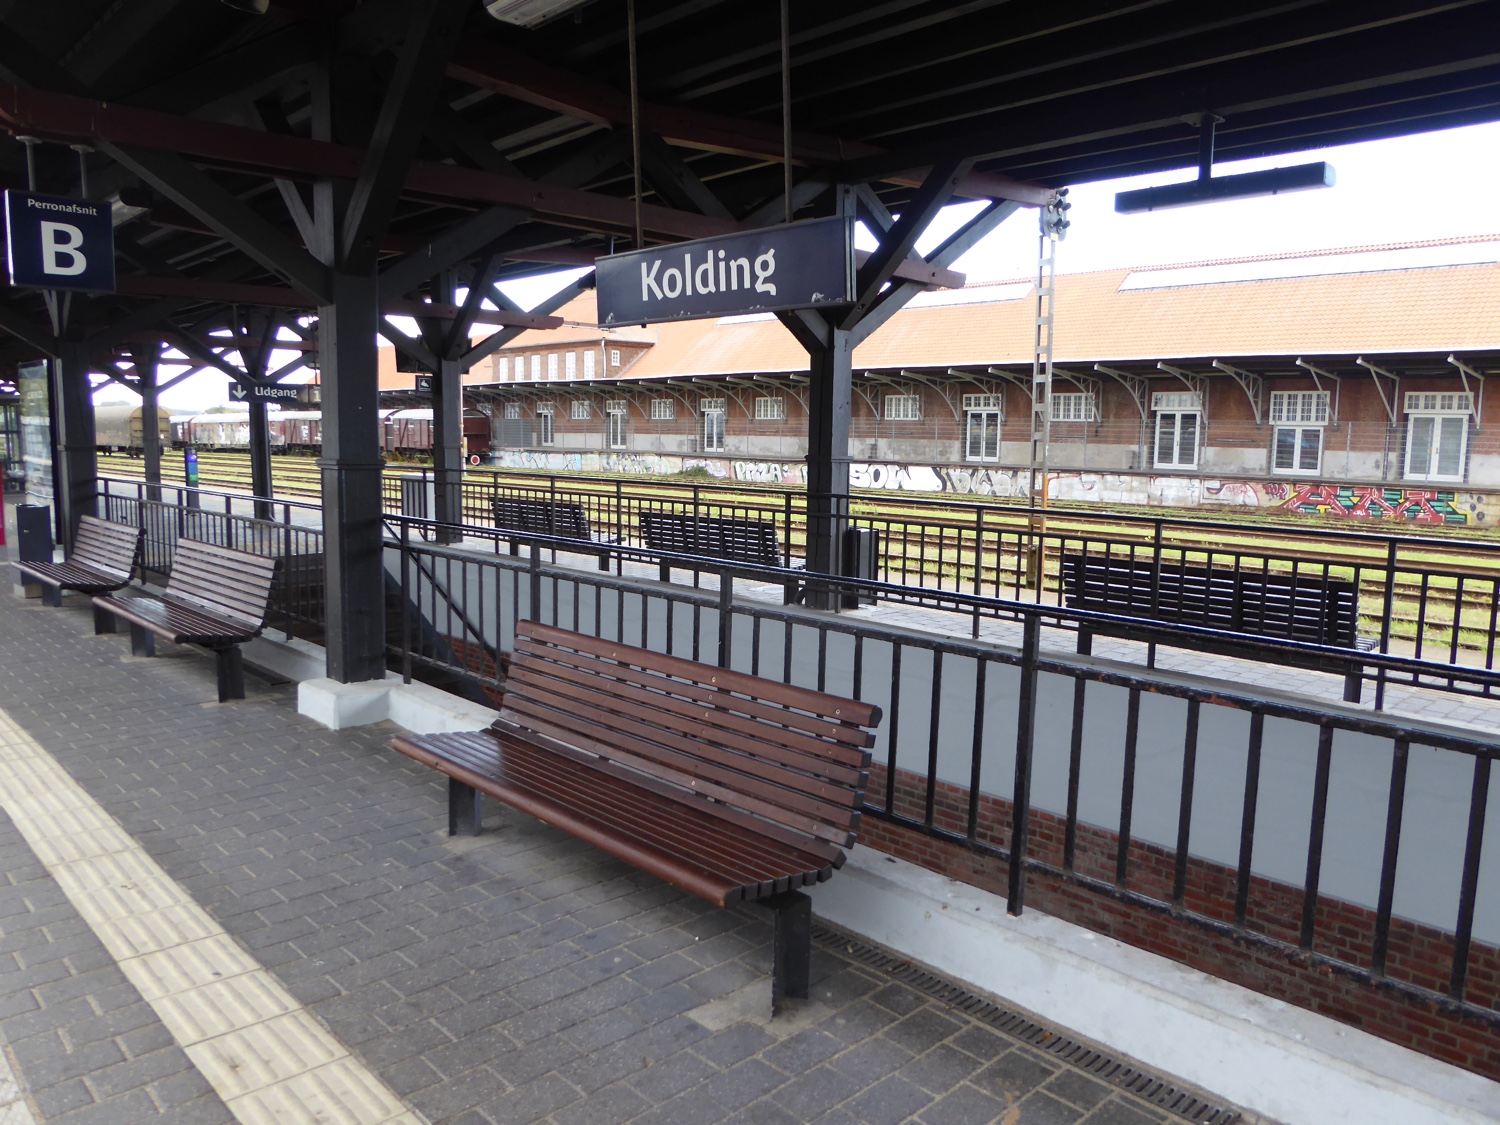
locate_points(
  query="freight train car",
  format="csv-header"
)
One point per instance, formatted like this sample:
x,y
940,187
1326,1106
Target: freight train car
x,y
405,432
119,429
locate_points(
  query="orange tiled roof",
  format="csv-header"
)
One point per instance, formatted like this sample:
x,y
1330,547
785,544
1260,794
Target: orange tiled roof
x,y
1417,310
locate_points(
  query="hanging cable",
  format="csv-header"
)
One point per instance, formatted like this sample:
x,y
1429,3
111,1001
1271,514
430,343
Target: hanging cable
x,y
786,104
30,143
635,121
83,169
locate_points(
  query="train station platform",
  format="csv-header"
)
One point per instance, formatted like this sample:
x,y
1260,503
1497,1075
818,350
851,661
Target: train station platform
x,y
219,913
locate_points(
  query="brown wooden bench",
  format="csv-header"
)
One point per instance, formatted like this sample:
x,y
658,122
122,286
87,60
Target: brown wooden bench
x,y
104,558
215,598
729,786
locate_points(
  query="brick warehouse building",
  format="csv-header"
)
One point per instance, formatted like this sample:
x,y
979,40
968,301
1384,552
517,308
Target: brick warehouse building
x,y
1349,381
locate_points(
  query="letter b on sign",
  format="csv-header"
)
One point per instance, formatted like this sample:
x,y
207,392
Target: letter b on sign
x,y
59,243
61,255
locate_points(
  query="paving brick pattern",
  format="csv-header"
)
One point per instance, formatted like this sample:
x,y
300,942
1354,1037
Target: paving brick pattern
x,y
516,977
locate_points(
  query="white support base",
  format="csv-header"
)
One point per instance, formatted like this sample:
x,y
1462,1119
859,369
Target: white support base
x,y
417,707
1265,1055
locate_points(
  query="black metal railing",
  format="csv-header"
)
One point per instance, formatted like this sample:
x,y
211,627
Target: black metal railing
x,y
1430,596
1342,839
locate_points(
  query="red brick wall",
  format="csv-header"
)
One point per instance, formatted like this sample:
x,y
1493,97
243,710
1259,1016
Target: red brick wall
x,y
1417,954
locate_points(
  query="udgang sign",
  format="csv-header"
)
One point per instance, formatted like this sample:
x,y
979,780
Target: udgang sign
x,y
794,266
59,243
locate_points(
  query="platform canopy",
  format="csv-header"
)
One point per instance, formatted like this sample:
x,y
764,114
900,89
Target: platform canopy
x,y
269,161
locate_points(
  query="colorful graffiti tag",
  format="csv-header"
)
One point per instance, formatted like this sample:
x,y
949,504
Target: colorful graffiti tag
x,y
1415,505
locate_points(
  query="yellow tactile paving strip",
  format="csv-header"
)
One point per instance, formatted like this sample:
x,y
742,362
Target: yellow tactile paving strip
x,y
266,1056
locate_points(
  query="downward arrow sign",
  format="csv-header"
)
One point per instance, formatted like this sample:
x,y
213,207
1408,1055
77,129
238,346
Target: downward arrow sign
x,y
237,392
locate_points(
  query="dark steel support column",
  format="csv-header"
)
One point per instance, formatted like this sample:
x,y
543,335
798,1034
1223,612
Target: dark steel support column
x,y
260,458
78,464
146,368
448,449
351,468
829,405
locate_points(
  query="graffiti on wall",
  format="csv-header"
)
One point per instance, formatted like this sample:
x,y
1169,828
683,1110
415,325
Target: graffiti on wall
x,y
770,472
1366,502
1415,505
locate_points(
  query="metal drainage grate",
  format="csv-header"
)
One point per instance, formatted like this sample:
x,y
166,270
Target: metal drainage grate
x,y
1187,1104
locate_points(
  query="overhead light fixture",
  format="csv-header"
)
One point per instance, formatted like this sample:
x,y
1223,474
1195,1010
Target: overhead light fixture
x,y
1208,188
529,13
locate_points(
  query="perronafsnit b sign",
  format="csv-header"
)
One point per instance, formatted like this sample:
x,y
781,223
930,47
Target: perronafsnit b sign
x,y
59,243
795,266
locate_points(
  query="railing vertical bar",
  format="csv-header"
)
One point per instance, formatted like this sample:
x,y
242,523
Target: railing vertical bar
x,y
1127,788
1315,836
1395,804
1463,932
934,717
405,604
893,728
1075,767
1185,803
1020,830
976,751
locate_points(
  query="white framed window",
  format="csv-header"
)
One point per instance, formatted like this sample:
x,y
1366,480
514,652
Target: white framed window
x,y
1437,445
1298,419
570,365
502,368
770,408
512,411
983,415
1074,406
903,408
536,367
1177,439
545,432
1439,402
588,364
614,357
663,410
1173,401
616,423
714,414
583,410
552,365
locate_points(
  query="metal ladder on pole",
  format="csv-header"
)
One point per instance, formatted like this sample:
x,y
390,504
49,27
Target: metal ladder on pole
x,y
1053,226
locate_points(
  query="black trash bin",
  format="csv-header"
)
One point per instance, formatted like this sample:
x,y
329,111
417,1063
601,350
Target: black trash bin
x,y
34,532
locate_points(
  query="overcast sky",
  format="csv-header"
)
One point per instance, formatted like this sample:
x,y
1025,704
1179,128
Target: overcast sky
x,y
1432,185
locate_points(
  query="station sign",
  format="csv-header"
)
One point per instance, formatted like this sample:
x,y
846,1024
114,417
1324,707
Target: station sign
x,y
59,243
264,392
792,266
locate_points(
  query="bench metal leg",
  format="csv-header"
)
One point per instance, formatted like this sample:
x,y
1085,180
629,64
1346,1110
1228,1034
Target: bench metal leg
x,y
231,669
666,573
104,621
1354,683
465,809
1085,642
142,641
52,596
791,947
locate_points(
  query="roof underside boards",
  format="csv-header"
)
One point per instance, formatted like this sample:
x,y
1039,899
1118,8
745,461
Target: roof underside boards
x,y
1037,95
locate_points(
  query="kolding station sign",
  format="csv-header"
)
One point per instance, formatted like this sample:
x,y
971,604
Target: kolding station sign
x,y
793,266
54,242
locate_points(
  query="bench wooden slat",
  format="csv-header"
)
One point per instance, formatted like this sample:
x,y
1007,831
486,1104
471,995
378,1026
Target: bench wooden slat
x,y
636,726
564,519
104,558
849,744
737,538
785,747
831,708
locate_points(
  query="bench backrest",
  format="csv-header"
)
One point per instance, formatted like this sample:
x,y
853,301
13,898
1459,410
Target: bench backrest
x,y
1298,607
741,540
786,761
562,518
231,584
114,548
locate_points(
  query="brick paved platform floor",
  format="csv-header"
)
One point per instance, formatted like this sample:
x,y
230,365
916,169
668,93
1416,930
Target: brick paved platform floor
x,y
516,977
